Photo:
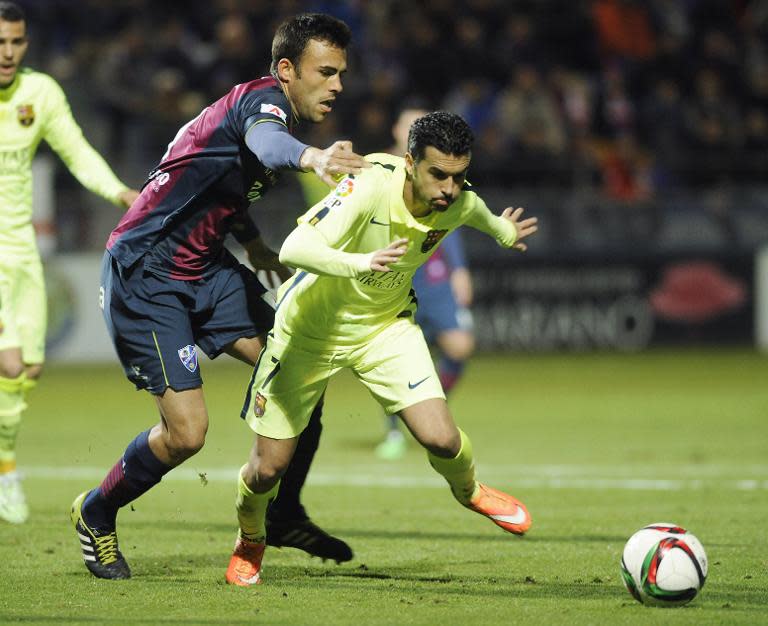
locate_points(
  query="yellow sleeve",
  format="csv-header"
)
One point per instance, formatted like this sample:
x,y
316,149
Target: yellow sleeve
x,y
307,248
502,230
323,242
64,135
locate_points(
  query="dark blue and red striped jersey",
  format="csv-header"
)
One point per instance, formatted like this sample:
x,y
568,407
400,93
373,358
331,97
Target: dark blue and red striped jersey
x,y
202,187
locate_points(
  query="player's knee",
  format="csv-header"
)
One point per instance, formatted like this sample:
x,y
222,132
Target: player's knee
x,y
264,474
444,444
458,345
11,368
184,444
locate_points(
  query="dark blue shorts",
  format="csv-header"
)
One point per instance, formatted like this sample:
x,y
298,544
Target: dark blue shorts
x,y
156,322
438,311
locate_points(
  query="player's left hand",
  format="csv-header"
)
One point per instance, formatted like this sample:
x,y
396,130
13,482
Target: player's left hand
x,y
524,227
333,163
128,197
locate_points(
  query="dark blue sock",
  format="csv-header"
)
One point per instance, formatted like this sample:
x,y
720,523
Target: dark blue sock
x,y
134,474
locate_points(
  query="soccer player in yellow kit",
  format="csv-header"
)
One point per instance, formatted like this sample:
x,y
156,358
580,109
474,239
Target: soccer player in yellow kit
x,y
32,108
351,305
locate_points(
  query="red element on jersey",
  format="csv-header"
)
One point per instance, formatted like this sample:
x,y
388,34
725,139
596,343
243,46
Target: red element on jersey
x,y
204,236
274,110
173,218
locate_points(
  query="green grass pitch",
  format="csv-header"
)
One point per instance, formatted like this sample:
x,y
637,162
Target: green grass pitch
x,y
596,445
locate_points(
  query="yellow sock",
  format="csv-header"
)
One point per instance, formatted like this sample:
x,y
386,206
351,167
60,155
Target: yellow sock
x,y
11,406
252,509
458,471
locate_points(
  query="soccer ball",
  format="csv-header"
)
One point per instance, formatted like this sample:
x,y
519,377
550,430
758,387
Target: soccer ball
x,y
663,565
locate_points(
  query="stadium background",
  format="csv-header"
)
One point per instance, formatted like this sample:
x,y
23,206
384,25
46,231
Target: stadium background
x,y
636,131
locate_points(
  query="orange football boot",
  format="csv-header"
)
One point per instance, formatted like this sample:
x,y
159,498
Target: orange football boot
x,y
502,509
245,565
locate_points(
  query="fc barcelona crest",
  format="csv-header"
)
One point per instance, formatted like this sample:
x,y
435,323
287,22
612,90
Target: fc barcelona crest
x,y
25,114
259,404
433,238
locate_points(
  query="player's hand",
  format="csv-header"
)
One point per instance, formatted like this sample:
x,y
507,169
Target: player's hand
x,y
333,163
262,258
128,197
524,227
271,280
391,254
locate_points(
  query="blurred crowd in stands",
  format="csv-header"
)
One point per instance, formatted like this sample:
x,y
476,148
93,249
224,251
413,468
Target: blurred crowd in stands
x,y
627,98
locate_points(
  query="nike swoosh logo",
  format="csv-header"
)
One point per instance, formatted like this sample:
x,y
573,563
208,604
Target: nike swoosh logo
x,y
414,385
517,518
373,221
252,580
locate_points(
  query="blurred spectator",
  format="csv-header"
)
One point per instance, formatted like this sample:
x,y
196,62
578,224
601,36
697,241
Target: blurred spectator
x,y
234,60
541,83
615,109
628,211
754,165
373,127
473,99
714,129
663,126
624,29
516,42
527,112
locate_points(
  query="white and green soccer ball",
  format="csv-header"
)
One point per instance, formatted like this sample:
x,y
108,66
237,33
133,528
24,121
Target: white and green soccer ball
x,y
663,565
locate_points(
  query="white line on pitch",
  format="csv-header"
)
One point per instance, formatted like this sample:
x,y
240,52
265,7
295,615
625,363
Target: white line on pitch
x,y
531,478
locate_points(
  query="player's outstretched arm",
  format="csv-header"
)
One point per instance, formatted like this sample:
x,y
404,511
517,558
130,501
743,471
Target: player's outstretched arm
x,y
306,248
331,164
524,227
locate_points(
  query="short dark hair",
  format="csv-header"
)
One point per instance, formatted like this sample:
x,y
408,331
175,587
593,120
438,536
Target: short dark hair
x,y
294,34
12,12
447,132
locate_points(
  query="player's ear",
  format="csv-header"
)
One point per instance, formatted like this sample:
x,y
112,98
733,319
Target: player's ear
x,y
409,163
286,71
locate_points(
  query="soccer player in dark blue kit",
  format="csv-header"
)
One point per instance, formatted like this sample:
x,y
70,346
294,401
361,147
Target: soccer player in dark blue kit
x,y
169,284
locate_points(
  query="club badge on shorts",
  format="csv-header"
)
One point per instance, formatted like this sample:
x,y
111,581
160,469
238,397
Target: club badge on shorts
x,y
259,403
188,357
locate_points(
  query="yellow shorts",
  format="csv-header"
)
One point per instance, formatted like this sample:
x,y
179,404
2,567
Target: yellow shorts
x,y
23,309
288,381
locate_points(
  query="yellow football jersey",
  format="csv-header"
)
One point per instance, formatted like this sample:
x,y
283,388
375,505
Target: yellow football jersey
x,y
363,214
33,108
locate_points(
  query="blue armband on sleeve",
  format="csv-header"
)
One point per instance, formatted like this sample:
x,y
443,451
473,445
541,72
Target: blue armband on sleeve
x,y
274,146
